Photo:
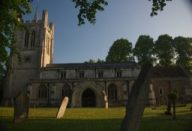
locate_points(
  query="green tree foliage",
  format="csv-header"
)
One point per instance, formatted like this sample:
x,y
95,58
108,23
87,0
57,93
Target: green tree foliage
x,y
100,61
144,49
88,9
172,97
91,61
95,61
183,49
120,51
157,5
11,12
164,50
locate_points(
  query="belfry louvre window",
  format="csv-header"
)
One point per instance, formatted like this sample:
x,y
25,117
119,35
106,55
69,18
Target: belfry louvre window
x,y
33,39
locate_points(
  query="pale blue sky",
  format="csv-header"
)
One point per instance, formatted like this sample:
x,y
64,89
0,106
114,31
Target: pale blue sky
x,y
120,19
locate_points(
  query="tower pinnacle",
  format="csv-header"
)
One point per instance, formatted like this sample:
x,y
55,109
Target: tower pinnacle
x,y
36,16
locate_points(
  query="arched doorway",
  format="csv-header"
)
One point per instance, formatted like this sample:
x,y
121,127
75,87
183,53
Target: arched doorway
x,y
88,98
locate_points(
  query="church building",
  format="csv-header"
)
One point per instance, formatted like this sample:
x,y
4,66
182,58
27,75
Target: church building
x,y
85,84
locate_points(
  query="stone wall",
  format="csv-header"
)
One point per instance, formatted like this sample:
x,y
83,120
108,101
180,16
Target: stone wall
x,y
78,88
162,87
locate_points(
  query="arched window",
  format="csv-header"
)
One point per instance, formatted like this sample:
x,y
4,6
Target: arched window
x,y
81,74
66,91
63,75
100,74
112,93
160,91
33,39
43,92
26,45
119,73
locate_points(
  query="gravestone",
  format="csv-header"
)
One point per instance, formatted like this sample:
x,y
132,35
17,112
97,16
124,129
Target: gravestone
x,y
137,100
21,107
62,108
151,99
105,100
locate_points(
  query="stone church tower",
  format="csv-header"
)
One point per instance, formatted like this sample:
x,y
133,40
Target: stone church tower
x,y
35,50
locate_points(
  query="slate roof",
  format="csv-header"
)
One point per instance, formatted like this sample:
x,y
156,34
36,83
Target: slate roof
x,y
170,71
94,65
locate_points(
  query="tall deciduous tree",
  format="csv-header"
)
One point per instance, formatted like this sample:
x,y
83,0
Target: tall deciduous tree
x,y
164,50
95,61
144,49
172,98
11,12
120,51
183,49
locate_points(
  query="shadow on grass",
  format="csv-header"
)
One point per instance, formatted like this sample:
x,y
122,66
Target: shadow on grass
x,y
183,122
159,123
50,124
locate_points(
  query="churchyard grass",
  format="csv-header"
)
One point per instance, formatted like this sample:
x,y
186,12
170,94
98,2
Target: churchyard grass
x,y
95,119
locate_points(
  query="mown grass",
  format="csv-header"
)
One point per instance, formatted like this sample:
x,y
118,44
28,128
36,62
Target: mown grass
x,y
95,119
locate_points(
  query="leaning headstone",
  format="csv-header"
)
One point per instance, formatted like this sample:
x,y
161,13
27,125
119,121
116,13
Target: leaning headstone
x,y
106,105
62,108
105,100
21,107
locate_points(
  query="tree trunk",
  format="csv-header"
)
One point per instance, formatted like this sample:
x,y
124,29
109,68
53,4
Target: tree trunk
x,y
174,114
168,111
137,100
21,107
7,94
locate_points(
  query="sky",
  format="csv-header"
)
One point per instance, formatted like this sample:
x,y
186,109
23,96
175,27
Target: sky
x,y
121,19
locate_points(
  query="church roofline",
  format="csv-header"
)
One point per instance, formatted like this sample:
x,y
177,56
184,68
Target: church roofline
x,y
94,65
169,72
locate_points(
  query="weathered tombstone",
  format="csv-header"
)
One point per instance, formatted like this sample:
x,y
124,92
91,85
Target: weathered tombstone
x,y
62,108
137,100
151,97
21,107
106,103
105,100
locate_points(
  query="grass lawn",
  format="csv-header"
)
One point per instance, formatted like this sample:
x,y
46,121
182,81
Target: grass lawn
x,y
94,119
